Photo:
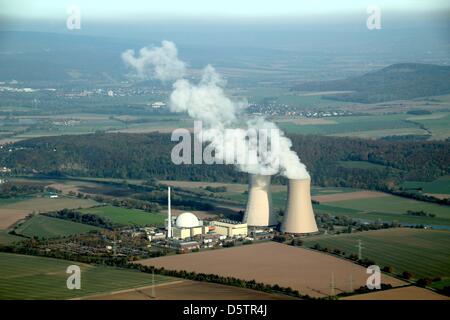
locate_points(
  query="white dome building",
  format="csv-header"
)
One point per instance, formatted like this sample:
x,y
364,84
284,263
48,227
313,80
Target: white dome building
x,y
187,220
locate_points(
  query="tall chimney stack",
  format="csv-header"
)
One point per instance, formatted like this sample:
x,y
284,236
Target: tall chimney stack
x,y
259,205
299,215
169,215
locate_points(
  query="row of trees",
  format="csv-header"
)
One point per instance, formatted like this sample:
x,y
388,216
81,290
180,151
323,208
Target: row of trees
x,y
86,218
14,189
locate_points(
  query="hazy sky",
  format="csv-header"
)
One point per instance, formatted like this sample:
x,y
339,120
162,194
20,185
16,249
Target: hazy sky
x,y
107,9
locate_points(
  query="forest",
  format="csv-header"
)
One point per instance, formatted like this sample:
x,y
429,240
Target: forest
x,y
147,156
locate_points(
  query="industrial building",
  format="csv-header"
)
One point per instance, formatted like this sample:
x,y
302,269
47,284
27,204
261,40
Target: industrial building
x,y
187,225
230,228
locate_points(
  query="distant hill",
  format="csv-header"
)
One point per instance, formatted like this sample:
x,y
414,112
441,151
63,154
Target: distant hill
x,y
397,81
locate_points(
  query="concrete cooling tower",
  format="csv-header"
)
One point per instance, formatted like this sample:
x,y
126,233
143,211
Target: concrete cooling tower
x,y
259,205
299,215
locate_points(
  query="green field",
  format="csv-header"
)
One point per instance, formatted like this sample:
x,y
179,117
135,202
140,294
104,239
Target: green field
x,y
89,123
380,216
127,216
393,204
45,204
445,282
422,252
376,126
6,238
29,277
351,125
438,126
438,186
47,227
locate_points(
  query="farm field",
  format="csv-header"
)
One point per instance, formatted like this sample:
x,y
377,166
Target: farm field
x,y
11,212
439,126
189,290
30,277
349,196
304,270
438,186
380,216
404,293
6,238
51,125
127,216
48,227
375,125
372,126
424,253
445,282
393,204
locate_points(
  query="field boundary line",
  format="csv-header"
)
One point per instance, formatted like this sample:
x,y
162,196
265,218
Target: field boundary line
x,y
127,290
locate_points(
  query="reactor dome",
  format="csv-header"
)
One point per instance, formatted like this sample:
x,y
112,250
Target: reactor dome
x,y
187,220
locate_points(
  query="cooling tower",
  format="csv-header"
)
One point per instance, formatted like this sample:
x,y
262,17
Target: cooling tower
x,y
259,205
299,215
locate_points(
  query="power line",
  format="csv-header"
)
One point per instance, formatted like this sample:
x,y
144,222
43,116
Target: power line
x,y
153,284
360,247
332,284
351,282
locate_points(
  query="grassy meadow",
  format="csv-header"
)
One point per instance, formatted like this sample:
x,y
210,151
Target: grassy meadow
x,y
127,216
30,277
48,227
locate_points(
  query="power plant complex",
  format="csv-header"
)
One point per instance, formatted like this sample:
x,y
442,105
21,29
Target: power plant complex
x,y
298,216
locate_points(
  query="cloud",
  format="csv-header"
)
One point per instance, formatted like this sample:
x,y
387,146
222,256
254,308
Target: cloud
x,y
161,63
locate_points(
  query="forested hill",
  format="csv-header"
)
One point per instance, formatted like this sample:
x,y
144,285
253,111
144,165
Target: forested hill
x,y
122,155
395,82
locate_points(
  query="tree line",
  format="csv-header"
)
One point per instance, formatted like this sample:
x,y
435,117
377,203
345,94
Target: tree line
x,y
147,156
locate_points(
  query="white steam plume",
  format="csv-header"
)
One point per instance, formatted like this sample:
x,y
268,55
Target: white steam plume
x,y
207,102
161,63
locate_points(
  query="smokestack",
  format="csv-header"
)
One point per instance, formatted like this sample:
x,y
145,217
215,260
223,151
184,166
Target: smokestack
x,y
169,215
259,205
299,215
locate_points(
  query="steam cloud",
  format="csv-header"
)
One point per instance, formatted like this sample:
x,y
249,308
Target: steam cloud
x,y
161,63
207,101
